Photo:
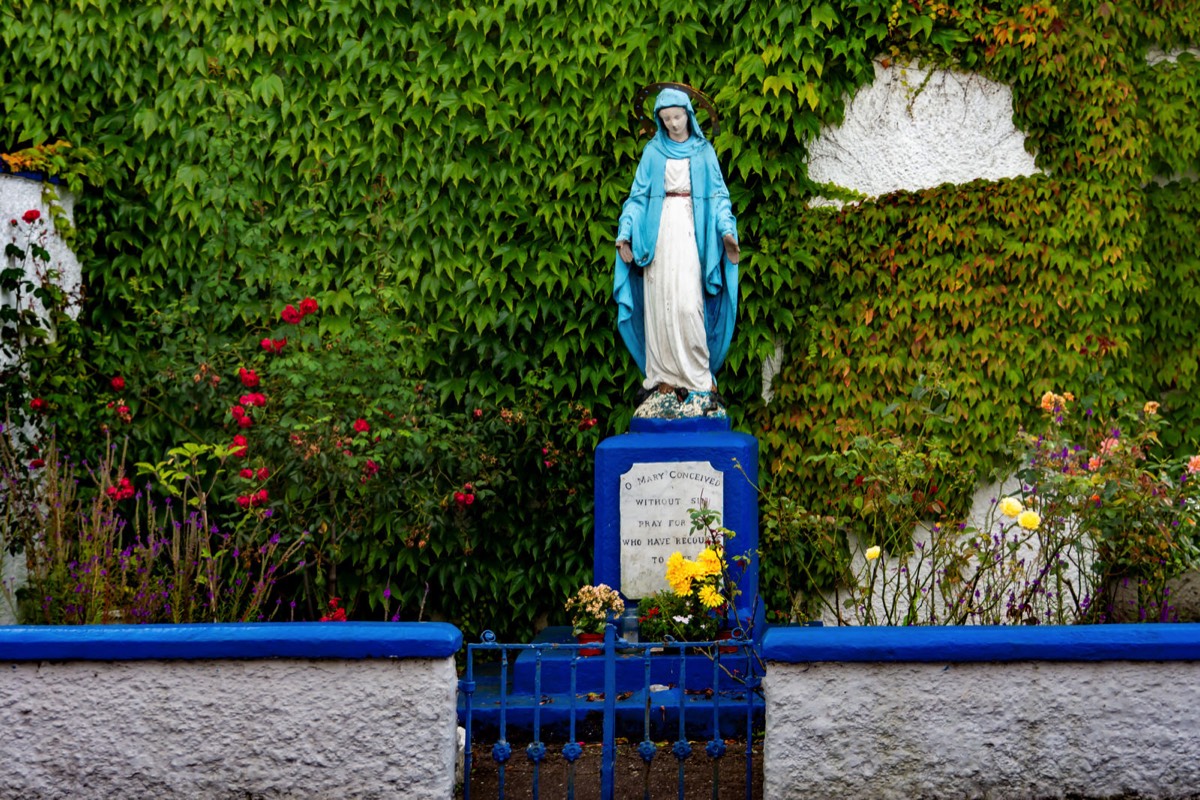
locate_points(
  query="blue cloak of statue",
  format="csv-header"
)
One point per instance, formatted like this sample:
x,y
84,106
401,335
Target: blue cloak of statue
x,y
713,217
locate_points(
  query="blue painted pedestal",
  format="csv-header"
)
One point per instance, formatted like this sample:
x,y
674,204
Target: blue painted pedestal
x,y
666,441
713,695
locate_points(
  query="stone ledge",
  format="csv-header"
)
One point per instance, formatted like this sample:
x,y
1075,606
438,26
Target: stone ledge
x,y
342,640
1145,642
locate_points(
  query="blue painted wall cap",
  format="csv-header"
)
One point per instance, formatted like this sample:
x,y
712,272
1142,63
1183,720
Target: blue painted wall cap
x,y
967,644
343,640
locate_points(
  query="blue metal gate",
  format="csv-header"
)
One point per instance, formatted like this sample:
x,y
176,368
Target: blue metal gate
x,y
545,690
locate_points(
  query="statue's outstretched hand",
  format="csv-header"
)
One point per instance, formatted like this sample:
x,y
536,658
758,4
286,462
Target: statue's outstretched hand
x,y
626,252
732,251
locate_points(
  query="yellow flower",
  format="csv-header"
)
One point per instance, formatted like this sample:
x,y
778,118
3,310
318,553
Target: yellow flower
x,y
1151,408
1029,520
679,573
710,597
708,562
1011,507
872,553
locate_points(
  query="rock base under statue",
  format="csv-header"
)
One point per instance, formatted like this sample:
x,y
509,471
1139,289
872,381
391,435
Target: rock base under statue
x,y
668,406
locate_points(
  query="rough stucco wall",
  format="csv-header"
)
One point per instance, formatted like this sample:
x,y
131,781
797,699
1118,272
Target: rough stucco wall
x,y
914,129
18,195
891,598
903,132
223,729
1016,730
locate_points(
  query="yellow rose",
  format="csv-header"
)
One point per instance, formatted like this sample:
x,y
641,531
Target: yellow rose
x,y
872,553
1029,520
1011,507
1151,408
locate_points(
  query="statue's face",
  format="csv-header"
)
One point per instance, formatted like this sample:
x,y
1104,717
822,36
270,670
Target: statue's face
x,y
675,122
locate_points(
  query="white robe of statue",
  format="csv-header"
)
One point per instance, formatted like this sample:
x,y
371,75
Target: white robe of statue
x,y
676,342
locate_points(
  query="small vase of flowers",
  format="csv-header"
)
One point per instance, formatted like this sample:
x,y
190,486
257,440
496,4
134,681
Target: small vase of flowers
x,y
590,608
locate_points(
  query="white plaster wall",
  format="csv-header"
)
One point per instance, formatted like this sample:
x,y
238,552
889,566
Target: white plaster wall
x,y
914,128
18,195
286,728
891,595
12,577
1017,730
1156,55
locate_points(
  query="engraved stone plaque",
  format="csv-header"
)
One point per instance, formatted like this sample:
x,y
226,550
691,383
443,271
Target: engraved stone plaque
x,y
655,498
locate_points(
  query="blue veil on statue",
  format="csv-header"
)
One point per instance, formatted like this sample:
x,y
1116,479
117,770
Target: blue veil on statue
x,y
713,219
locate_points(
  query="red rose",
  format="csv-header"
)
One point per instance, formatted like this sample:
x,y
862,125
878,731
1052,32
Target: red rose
x,y
263,473
371,468
361,425
337,616
246,473
478,413
240,441
258,498
308,306
37,463
31,215
37,404
278,344
249,377
243,501
469,499
290,315
122,491
245,421
460,498
254,399
265,344
118,383
238,412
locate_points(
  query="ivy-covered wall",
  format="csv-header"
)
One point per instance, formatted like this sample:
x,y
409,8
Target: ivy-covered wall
x,y
451,174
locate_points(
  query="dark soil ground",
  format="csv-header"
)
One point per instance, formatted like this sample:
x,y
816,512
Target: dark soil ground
x,y
632,780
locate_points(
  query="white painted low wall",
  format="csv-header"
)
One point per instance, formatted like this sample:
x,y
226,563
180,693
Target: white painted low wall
x,y
236,713
1086,711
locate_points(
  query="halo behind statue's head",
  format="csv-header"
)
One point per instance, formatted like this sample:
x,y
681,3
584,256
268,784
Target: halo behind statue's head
x,y
647,124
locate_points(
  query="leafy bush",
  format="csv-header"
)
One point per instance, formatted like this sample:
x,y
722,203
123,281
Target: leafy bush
x,y
1096,506
100,550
